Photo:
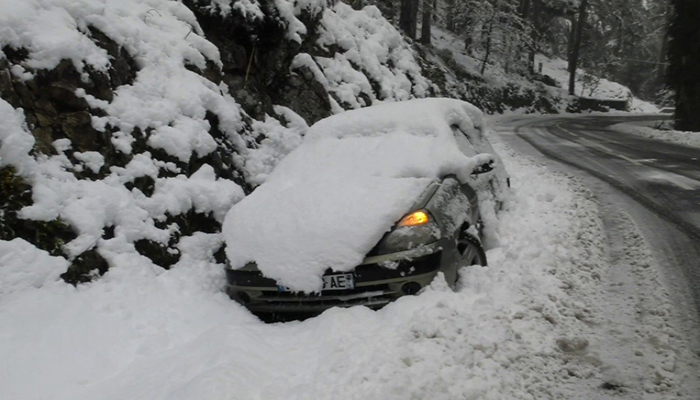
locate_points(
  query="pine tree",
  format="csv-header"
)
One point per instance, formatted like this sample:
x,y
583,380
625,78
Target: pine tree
x,y
684,60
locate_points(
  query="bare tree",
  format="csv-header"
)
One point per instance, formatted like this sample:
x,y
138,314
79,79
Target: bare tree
x,y
450,16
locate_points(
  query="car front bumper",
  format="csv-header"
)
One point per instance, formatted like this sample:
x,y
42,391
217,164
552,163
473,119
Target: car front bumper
x,y
378,281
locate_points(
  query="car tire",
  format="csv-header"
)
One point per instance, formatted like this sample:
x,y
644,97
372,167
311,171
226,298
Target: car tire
x,y
470,250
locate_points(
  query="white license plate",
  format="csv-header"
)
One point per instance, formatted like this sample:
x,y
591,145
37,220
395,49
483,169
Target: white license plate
x,y
338,282
332,282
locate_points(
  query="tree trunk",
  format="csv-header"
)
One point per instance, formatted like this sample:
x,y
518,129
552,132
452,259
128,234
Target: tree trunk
x,y
528,13
663,53
575,51
408,17
525,8
684,58
570,42
468,38
488,33
450,17
428,6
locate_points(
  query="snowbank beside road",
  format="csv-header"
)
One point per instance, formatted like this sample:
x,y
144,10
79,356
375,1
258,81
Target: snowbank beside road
x,y
650,130
591,86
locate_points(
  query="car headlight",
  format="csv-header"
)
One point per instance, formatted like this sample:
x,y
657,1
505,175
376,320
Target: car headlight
x,y
416,229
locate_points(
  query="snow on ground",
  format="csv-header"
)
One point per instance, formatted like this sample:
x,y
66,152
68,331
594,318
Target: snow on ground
x,y
654,130
586,85
590,86
522,328
445,39
518,329
604,89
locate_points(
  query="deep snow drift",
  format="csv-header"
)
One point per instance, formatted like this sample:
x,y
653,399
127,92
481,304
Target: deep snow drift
x,y
523,328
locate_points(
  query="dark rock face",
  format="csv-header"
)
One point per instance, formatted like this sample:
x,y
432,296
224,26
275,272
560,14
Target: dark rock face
x,y
15,194
305,95
85,267
52,108
54,111
257,57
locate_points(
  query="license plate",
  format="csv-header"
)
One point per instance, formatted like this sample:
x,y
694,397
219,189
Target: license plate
x,y
338,282
332,282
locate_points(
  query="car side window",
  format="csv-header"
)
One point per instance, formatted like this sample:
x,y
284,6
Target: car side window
x,y
469,191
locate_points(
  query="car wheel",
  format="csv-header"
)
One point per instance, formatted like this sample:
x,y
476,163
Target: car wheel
x,y
470,250
470,253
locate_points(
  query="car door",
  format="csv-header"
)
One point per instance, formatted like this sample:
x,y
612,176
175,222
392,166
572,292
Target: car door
x,y
454,204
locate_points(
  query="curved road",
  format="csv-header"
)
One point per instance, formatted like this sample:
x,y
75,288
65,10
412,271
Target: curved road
x,y
656,184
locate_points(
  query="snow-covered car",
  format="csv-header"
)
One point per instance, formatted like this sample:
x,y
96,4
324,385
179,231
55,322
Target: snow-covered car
x,y
373,205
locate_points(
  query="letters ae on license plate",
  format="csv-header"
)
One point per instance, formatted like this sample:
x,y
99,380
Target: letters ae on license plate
x,y
332,282
338,282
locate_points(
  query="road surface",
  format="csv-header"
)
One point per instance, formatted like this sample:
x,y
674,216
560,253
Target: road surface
x,y
645,187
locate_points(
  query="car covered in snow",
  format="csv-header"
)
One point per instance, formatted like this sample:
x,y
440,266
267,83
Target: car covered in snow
x,y
371,206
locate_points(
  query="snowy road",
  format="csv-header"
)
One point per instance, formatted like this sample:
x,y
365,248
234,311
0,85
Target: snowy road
x,y
649,194
662,177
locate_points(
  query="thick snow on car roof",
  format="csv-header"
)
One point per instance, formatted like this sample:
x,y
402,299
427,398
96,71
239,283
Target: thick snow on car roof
x,y
355,174
428,117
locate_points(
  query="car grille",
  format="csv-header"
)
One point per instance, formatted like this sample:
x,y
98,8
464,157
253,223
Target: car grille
x,y
377,295
268,298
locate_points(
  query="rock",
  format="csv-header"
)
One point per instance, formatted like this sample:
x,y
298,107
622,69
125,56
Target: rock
x,y
145,184
572,345
123,69
306,96
78,128
45,106
43,136
63,94
160,254
85,268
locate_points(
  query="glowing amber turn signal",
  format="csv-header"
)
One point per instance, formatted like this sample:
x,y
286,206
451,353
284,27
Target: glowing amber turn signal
x,y
415,218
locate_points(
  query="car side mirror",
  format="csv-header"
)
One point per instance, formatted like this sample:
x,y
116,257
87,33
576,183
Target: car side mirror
x,y
483,168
